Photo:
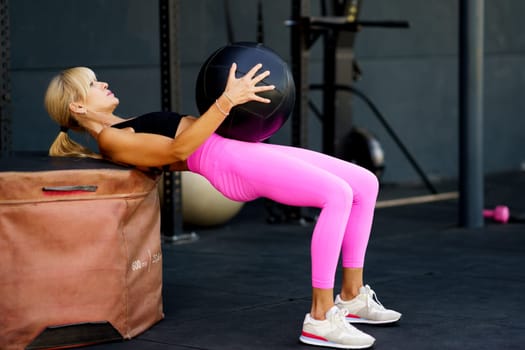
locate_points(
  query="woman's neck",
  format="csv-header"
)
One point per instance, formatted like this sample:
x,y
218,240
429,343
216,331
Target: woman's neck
x,y
95,122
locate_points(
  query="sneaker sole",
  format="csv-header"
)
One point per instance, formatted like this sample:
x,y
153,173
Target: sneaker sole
x,y
364,320
318,342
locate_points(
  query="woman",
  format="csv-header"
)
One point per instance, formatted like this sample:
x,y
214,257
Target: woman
x,y
345,192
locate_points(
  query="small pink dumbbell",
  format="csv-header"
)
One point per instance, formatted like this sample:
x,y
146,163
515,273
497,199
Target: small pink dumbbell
x,y
500,213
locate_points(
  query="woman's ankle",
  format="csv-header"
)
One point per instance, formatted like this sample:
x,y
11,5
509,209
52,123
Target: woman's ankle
x,y
322,301
349,293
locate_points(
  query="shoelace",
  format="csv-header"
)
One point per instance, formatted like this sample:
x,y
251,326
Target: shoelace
x,y
372,297
339,318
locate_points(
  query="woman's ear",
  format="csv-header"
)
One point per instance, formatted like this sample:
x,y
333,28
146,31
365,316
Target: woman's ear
x,y
77,108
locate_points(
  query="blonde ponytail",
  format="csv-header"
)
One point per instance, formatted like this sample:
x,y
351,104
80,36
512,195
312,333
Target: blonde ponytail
x,y
64,146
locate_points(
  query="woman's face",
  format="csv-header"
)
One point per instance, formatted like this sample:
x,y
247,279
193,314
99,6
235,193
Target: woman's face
x,y
99,98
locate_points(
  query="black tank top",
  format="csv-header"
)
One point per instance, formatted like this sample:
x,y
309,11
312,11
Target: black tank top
x,y
161,123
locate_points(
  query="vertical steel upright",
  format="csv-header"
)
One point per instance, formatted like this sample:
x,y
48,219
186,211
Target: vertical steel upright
x,y
171,216
300,53
338,58
5,91
471,184
300,56
347,72
329,90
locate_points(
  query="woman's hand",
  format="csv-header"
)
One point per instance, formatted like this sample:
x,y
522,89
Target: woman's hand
x,y
244,89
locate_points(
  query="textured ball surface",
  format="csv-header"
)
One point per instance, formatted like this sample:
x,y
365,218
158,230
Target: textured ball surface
x,y
252,121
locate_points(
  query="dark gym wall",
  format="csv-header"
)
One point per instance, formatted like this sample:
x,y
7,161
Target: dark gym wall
x,y
118,39
410,74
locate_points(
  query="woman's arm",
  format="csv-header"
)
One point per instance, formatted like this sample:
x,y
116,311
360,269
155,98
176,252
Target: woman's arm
x,y
149,150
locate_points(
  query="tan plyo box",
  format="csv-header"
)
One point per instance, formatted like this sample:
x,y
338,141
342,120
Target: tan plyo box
x,y
80,256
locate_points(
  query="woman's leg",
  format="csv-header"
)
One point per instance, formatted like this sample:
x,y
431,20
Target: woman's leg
x,y
365,188
359,301
292,176
287,179
352,281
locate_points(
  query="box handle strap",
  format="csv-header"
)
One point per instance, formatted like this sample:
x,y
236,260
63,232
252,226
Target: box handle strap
x,y
74,188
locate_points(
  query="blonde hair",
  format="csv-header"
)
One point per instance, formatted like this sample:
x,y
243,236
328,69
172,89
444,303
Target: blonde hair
x,y
70,85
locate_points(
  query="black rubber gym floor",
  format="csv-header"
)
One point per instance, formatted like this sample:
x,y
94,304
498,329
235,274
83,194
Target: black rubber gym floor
x,y
246,285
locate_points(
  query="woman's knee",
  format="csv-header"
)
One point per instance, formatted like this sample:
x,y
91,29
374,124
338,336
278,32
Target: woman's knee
x,y
364,183
341,194
372,182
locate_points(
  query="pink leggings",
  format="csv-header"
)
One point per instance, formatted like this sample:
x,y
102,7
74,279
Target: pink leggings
x,y
345,193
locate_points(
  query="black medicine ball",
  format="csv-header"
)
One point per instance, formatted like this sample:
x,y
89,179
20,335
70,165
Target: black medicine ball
x,y
252,121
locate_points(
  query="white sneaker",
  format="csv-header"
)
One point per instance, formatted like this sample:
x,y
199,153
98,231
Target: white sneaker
x,y
366,308
334,332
